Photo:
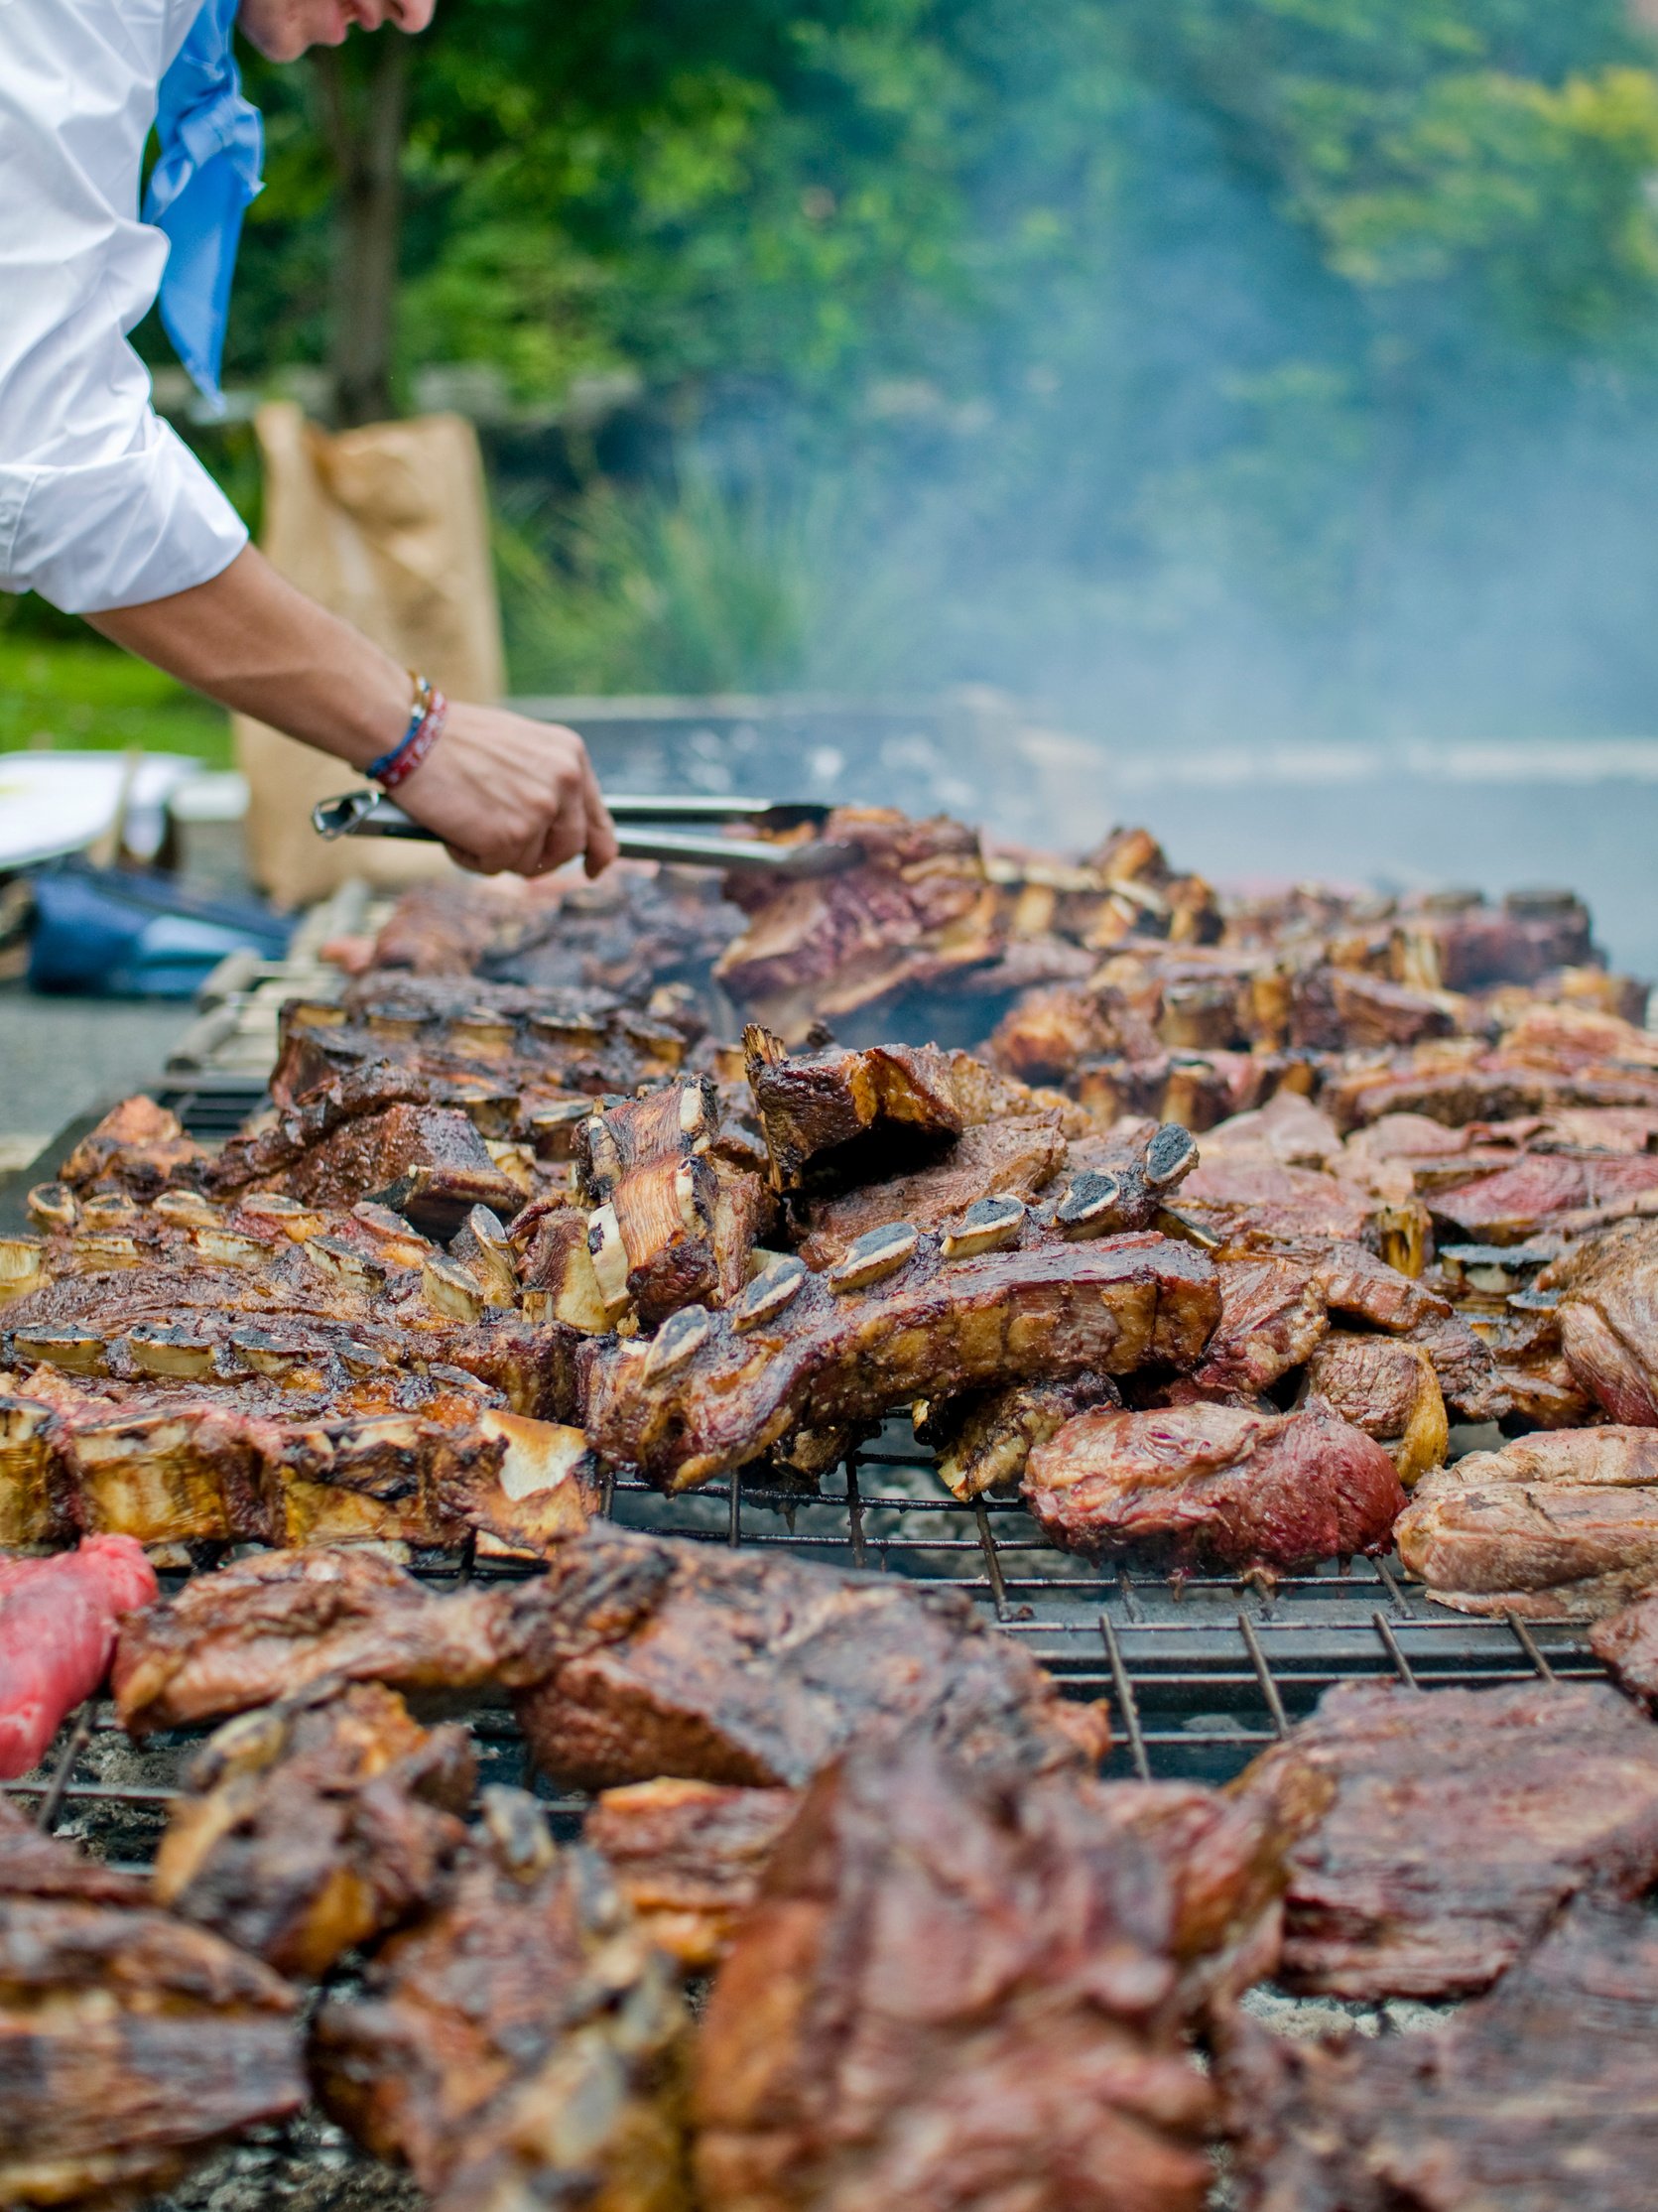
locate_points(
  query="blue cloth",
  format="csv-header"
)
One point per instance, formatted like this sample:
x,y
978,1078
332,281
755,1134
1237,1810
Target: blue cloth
x,y
206,171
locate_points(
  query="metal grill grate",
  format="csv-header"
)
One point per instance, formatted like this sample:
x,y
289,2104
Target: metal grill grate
x,y
1199,1675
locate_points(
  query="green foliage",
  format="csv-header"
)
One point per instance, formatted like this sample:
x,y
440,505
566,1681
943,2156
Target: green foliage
x,y
86,697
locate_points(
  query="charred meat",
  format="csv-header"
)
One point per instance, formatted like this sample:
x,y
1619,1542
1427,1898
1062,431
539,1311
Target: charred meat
x,y
688,1856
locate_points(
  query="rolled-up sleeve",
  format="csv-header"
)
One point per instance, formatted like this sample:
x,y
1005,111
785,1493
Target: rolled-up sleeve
x,y
101,504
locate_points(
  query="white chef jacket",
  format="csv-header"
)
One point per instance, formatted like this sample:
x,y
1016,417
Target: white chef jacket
x,y
101,503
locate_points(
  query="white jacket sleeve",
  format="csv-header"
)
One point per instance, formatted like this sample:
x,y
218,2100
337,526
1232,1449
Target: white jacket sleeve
x,y
101,504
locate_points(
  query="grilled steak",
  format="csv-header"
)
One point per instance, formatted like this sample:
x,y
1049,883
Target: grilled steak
x,y
1513,1204
1564,1522
278,1623
131,2040
1626,1644
834,1117
985,1439
1608,1320
1460,1822
524,2043
688,1856
312,1824
1011,1159
1536,2097
1273,1317
57,1634
1207,1485
735,1666
918,909
898,1323
953,1995
1387,1388
138,1147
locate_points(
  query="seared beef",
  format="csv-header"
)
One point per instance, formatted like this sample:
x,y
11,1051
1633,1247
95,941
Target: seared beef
x,y
57,1634
900,1322
688,1856
918,908
1460,1821
1214,1485
985,1438
138,1147
836,1117
1608,1319
1538,2096
131,2042
427,1162
1626,1644
524,2043
1563,1522
312,1824
1388,1389
739,1666
953,1995
1011,1159
1273,1317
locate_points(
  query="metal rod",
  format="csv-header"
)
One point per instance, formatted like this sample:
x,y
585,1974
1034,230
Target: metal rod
x,y
733,1533
992,1565
854,1510
1390,1643
1529,1645
1126,1698
1396,1589
80,1737
1263,1674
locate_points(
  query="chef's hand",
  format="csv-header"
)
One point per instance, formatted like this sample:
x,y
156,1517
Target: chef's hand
x,y
501,791
506,793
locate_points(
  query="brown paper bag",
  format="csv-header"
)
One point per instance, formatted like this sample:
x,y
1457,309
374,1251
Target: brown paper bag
x,y
389,527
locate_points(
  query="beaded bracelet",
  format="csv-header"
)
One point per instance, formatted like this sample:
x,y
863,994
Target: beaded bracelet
x,y
426,723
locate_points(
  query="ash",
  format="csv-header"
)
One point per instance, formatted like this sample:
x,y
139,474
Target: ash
x,y
308,2165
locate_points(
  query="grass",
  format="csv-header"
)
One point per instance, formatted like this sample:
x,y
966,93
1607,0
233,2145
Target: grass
x,y
91,698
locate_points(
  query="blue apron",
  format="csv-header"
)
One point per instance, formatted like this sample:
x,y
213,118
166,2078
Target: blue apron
x,y
206,171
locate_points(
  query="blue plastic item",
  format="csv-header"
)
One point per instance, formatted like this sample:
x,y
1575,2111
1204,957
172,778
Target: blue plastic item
x,y
107,933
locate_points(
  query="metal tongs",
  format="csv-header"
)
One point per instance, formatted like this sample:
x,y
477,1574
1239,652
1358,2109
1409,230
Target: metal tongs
x,y
369,813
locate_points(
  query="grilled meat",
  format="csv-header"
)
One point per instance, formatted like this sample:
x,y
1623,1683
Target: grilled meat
x,y
835,1116
1242,1197
316,1823
674,1220
1458,1823
952,1994
1543,1190
1386,1387
57,1635
1608,1320
426,1161
1273,1317
985,1438
131,2040
280,1622
919,908
524,2043
733,1666
688,1858
1563,1522
1536,2097
892,1324
1207,1485
1014,1158
138,1147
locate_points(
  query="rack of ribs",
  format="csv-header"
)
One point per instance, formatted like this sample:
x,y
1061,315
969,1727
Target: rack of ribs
x,y
955,1993
1537,2096
1212,1484
57,1620
905,1316
1564,1522
133,2041
828,1116
315,1824
1457,1823
524,2042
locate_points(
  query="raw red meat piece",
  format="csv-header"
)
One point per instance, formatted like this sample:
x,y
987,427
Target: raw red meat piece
x,y
57,1634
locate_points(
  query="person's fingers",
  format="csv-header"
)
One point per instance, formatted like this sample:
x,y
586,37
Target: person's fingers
x,y
602,831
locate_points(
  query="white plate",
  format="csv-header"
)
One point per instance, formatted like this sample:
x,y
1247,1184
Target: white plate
x,y
57,803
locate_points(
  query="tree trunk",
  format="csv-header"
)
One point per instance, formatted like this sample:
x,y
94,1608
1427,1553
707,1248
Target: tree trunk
x,y
364,102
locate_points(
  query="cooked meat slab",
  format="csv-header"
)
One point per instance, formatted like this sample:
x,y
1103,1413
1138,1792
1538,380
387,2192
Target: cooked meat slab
x,y
1626,1644
736,1667
821,1351
1514,1204
984,1440
1011,1159
1208,1484
688,1856
1460,1821
522,2044
312,1824
129,2041
1273,1317
952,1995
57,1635
1538,2096
1387,1388
278,1623
835,1115
1564,1522
1608,1320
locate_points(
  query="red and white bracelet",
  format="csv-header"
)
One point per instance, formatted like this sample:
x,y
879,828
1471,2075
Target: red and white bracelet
x,y
427,716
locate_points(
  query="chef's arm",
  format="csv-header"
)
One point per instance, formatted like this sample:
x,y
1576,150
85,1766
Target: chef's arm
x,y
502,791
